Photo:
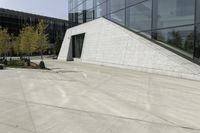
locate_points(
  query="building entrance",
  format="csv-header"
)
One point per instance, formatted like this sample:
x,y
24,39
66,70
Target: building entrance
x,y
77,45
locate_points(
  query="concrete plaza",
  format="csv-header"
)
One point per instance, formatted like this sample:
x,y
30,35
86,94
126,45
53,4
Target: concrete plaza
x,y
83,98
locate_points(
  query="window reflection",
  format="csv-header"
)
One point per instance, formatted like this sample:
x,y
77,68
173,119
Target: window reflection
x,y
181,38
98,2
197,45
133,2
89,4
100,10
118,17
175,12
89,15
198,11
139,16
116,5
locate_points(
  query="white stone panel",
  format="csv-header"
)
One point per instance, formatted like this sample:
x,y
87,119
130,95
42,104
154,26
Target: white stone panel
x,y
107,43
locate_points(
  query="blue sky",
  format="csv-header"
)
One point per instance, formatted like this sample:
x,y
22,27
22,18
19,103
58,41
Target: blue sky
x,y
52,8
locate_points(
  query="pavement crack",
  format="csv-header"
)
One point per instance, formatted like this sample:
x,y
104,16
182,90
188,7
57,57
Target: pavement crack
x,y
15,126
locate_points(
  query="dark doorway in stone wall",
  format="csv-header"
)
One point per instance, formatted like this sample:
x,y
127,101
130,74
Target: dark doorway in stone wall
x,y
77,45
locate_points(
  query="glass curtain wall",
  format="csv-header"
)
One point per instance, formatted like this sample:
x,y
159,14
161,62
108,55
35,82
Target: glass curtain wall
x,y
197,31
173,23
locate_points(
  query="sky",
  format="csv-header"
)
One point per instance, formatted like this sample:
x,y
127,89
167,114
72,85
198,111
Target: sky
x,y
51,8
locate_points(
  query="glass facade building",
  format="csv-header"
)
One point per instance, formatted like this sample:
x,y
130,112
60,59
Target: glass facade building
x,y
174,24
14,21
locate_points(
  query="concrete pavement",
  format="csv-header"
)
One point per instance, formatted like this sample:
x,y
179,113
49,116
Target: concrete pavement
x,y
83,98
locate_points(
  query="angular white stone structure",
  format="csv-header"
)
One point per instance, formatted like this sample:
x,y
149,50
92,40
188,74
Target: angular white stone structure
x,y
107,43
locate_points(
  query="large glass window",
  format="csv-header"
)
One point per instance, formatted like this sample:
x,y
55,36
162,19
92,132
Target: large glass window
x,y
80,14
70,5
116,5
197,43
198,11
70,16
80,18
98,2
75,3
100,10
118,17
80,9
79,1
181,38
75,16
175,12
132,2
89,4
139,16
90,15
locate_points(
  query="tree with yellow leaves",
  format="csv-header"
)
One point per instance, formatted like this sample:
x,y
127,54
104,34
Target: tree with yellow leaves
x,y
41,38
5,44
27,41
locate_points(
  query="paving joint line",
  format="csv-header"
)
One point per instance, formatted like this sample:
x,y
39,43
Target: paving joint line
x,y
110,115
28,108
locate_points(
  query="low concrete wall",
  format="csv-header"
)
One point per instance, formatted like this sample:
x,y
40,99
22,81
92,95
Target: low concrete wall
x,y
107,43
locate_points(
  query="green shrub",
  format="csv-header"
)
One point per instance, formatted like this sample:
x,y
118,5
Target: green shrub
x,y
5,62
16,63
1,61
1,67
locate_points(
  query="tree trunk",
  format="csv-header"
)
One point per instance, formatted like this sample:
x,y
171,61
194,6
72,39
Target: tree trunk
x,y
29,60
41,55
10,55
4,56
